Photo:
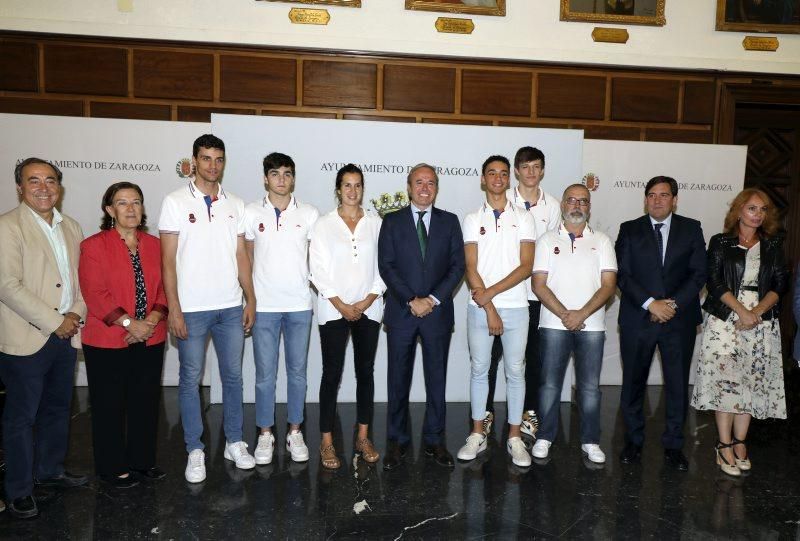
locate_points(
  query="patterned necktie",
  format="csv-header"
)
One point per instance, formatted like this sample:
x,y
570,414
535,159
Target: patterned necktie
x,y
660,241
422,233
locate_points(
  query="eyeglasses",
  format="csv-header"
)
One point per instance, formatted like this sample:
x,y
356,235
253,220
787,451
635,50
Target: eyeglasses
x,y
572,201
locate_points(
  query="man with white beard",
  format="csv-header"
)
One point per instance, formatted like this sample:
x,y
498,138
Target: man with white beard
x,y
574,275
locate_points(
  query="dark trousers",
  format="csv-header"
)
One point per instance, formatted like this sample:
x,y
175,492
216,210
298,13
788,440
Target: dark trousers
x,y
333,341
533,366
124,393
402,344
37,412
637,346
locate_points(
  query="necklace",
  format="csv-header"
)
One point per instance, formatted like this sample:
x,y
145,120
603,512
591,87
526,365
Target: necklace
x,y
745,241
351,218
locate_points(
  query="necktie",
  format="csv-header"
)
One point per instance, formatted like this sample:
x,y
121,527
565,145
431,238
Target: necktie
x,y
422,233
660,241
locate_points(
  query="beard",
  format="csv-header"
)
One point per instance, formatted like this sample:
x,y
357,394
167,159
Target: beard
x,y
575,217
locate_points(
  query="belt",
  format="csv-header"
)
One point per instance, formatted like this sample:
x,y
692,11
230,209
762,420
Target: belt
x,y
749,288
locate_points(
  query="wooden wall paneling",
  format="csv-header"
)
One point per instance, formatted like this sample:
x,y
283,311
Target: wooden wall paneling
x,y
465,121
699,102
40,106
379,118
77,69
379,87
19,64
340,84
203,114
257,79
139,111
532,124
495,92
671,135
419,88
173,75
571,96
644,100
618,133
301,114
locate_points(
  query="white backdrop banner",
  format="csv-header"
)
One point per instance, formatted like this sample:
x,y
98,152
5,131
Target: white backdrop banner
x,y
709,177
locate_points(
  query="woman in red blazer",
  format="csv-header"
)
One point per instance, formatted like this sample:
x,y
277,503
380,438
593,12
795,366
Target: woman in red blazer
x,y
123,340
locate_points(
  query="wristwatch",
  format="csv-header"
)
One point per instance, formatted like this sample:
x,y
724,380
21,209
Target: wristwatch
x,y
126,322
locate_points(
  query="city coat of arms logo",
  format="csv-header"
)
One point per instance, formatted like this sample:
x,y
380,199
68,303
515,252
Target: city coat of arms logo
x,y
184,168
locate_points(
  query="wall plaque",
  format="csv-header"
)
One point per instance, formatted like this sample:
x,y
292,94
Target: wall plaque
x,y
454,26
753,43
309,16
610,35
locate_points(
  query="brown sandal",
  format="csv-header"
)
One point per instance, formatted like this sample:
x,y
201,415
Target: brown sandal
x,y
329,458
367,450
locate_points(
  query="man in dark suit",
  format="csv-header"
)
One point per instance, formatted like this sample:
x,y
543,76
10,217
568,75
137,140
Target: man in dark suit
x,y
421,259
662,268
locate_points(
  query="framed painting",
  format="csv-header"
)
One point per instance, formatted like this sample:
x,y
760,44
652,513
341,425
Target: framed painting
x,y
347,3
473,7
649,12
773,16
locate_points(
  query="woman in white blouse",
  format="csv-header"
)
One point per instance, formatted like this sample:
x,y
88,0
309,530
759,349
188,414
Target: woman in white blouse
x,y
344,269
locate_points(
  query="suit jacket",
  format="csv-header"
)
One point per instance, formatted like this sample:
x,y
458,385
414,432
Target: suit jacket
x,y
407,276
796,310
109,287
30,284
641,275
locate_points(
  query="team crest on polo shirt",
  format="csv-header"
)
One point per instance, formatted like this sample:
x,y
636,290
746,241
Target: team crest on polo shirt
x,y
260,228
556,250
192,219
483,231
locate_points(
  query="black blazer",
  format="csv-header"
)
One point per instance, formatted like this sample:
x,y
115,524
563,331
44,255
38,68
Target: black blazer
x,y
726,263
407,276
641,275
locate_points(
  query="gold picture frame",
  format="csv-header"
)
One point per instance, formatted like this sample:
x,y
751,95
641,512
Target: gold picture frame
x,y
467,7
344,3
749,16
648,12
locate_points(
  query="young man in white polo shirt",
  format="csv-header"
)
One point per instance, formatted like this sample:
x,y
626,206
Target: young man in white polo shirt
x,y
205,271
574,275
498,247
278,229
546,211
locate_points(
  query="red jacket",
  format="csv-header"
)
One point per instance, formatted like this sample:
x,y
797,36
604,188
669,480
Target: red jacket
x,y
109,288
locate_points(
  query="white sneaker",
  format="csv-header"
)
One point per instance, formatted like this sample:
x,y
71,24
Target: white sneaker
x,y
196,467
476,443
265,449
593,452
488,419
519,455
530,423
237,453
297,447
541,448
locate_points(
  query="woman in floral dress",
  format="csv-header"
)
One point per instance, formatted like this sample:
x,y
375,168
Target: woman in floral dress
x,y
740,374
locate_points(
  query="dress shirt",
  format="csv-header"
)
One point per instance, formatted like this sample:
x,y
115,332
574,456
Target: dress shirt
x,y
665,237
56,239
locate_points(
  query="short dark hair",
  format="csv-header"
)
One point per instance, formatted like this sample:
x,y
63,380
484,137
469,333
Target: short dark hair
x,y
108,200
528,154
207,141
673,184
30,161
495,158
349,168
276,160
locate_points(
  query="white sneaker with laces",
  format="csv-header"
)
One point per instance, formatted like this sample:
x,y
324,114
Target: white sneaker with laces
x,y
265,449
196,467
530,423
476,443
237,453
594,453
296,446
541,448
519,455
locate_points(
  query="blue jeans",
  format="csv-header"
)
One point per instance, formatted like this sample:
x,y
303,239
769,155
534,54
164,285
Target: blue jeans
x,y
227,334
514,337
296,328
556,346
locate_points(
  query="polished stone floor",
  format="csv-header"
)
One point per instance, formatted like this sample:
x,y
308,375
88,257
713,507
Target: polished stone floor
x,y
564,497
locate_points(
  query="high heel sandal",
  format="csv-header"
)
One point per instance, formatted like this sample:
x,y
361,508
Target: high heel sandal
x,y
329,458
367,450
722,462
742,463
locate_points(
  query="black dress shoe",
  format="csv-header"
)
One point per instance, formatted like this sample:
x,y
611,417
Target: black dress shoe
x,y
631,454
676,459
394,455
151,474
24,507
65,480
120,482
440,453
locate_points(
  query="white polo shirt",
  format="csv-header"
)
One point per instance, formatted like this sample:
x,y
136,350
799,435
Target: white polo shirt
x,y
573,268
280,254
498,241
546,211
344,264
208,273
